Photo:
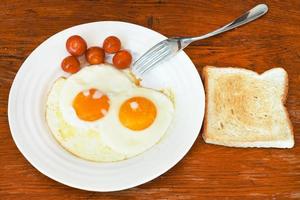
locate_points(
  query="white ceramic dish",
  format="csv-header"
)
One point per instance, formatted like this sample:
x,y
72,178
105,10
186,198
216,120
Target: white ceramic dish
x,y
26,111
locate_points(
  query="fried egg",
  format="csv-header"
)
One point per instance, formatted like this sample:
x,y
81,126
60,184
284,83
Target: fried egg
x,y
100,114
84,143
137,120
86,95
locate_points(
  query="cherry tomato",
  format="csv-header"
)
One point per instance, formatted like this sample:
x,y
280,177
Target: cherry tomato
x,y
122,59
70,64
76,45
111,44
95,55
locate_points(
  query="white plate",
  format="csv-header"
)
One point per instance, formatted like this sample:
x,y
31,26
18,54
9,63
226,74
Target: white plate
x,y
26,111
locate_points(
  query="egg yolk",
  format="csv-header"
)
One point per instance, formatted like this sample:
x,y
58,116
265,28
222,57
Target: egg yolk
x,y
91,105
137,113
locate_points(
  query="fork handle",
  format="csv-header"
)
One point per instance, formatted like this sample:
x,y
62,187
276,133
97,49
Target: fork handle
x,y
249,16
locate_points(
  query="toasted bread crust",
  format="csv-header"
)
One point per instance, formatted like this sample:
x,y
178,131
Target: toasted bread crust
x,y
205,80
278,144
284,99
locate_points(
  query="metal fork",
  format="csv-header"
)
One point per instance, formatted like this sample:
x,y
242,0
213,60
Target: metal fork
x,y
169,47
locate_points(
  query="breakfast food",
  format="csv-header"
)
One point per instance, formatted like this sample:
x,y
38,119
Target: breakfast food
x,y
112,44
76,45
122,59
245,109
70,64
95,55
99,114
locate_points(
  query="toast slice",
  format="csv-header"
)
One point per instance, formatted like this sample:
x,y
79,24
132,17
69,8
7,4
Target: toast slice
x,y
246,109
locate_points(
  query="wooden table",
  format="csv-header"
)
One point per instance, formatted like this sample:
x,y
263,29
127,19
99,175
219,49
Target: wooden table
x,y
207,171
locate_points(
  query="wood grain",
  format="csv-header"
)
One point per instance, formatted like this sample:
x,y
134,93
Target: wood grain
x,y
208,171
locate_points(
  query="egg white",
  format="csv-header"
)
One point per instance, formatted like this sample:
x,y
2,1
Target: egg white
x,y
105,139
